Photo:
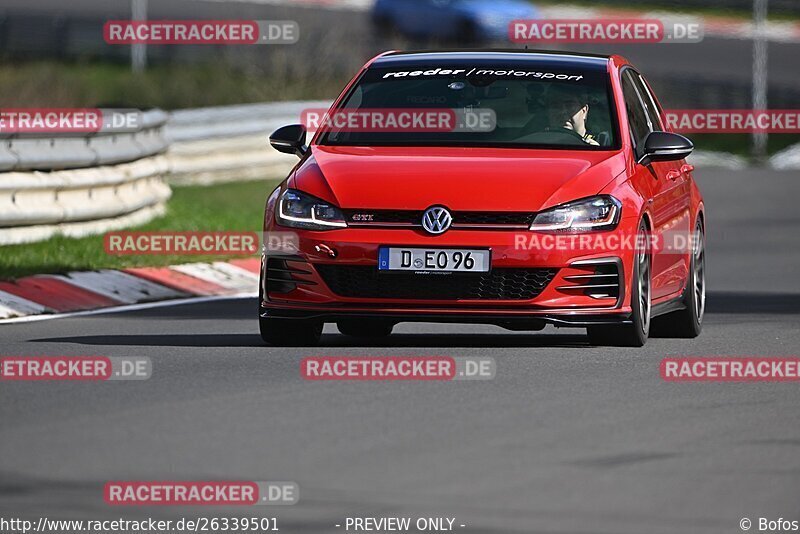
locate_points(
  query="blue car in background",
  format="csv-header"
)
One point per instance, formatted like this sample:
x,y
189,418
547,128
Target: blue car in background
x,y
459,20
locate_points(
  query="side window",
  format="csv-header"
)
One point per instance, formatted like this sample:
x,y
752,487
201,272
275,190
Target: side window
x,y
649,102
637,117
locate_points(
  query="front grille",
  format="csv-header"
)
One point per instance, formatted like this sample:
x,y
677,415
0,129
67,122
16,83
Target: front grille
x,y
359,281
460,218
481,217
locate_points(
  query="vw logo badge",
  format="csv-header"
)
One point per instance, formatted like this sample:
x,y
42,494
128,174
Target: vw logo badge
x,y
436,220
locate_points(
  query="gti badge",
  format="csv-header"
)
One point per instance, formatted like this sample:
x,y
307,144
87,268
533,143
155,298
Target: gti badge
x,y
436,220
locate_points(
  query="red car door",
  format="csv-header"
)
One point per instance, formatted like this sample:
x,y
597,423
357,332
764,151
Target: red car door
x,y
669,199
671,208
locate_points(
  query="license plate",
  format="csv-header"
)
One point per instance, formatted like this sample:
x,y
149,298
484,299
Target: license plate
x,y
432,259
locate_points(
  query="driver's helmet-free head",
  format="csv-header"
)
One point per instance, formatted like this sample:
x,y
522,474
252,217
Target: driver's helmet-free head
x,y
563,101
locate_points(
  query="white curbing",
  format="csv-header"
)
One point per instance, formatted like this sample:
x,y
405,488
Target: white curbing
x,y
236,273
120,286
109,290
14,306
220,273
123,308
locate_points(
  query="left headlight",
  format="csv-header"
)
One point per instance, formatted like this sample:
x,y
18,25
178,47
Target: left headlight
x,y
301,210
596,213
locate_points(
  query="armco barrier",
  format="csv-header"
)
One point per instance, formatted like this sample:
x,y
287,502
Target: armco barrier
x,y
229,121
224,143
37,205
8,160
82,184
42,152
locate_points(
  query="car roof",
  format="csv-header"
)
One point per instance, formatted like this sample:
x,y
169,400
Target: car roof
x,y
512,57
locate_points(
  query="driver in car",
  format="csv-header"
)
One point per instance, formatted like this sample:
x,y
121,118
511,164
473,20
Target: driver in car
x,y
567,109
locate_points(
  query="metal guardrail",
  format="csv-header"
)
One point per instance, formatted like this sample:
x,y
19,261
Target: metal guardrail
x,y
223,143
80,185
41,152
61,197
228,121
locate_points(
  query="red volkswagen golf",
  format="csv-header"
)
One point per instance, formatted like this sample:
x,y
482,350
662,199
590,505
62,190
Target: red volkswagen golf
x,y
513,188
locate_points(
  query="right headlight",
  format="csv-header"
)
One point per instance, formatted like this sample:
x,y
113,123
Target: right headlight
x,y
596,213
297,209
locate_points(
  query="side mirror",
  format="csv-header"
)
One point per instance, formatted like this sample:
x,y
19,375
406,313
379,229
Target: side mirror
x,y
290,140
665,146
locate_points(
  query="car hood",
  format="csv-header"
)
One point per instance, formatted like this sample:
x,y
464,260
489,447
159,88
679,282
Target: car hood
x,y
463,179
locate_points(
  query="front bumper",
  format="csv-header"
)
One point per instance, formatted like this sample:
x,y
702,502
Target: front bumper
x,y
293,285
511,321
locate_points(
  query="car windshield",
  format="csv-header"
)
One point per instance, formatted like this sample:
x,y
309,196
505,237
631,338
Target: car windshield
x,y
495,106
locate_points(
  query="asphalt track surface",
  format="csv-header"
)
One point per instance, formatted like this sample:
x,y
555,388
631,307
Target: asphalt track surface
x,y
566,439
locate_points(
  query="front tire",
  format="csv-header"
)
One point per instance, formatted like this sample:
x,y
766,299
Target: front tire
x,y
635,334
290,332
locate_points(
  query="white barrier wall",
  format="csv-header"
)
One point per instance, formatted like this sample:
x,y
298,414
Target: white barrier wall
x,y
224,143
83,185
80,185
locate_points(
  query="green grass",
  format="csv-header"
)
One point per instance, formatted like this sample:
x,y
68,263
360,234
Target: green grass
x,y
225,207
105,84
